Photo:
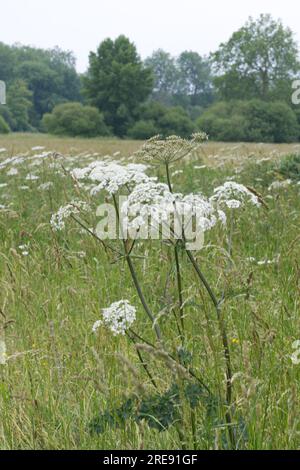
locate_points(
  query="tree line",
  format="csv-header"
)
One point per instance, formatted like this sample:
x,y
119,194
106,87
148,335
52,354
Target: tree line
x,y
241,92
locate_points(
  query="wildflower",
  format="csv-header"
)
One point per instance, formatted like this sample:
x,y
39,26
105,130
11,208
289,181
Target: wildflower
x,y
275,260
235,341
233,195
12,172
177,172
35,163
200,207
45,186
37,148
169,150
31,177
111,176
81,254
155,201
12,161
24,249
265,261
75,207
118,317
96,326
3,354
295,357
280,184
42,155
147,200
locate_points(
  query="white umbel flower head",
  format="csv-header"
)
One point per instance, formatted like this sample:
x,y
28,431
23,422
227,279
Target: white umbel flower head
x,y
75,207
154,201
118,317
280,185
148,199
3,354
234,195
200,207
295,357
171,149
111,176
12,172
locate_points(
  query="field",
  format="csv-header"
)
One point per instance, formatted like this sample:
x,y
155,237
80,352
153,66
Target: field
x,y
63,386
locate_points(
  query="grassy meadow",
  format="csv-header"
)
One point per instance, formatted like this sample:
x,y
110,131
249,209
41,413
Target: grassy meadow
x,y
62,385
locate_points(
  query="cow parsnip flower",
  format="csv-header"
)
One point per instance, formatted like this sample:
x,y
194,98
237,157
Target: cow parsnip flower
x,y
154,201
3,354
117,318
111,176
74,207
280,185
234,195
169,150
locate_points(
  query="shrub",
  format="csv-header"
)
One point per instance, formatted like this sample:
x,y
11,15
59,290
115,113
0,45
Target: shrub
x,y
74,119
143,130
270,122
250,121
284,123
4,127
159,119
290,167
176,122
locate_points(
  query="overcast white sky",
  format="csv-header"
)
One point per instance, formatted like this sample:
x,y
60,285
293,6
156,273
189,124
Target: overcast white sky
x,y
174,25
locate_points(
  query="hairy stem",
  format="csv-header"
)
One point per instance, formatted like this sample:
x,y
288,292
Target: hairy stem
x,y
178,271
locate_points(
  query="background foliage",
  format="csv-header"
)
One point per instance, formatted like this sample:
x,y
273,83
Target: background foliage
x,y
241,92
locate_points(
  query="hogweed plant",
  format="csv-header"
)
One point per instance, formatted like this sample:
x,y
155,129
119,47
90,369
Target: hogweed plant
x,y
143,208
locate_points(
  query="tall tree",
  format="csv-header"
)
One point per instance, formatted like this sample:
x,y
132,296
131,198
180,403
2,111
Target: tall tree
x,y
19,104
7,63
195,78
117,82
49,74
257,60
166,76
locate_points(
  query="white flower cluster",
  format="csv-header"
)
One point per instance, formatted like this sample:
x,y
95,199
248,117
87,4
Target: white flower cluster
x,y
3,354
233,195
17,160
12,172
31,177
38,147
45,186
295,357
75,207
148,199
118,317
280,184
154,201
24,249
111,176
199,206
